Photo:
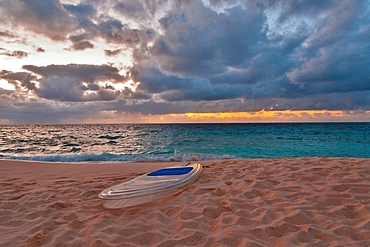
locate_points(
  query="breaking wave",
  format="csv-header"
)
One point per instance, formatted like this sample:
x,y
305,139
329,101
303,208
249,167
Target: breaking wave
x,y
108,157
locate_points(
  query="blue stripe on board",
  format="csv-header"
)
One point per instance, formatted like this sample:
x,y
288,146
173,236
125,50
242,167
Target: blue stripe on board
x,y
171,171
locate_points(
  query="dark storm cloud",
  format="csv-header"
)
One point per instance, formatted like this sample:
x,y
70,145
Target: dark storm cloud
x,y
46,17
116,32
204,56
129,94
154,81
66,82
8,75
85,14
23,110
145,108
22,77
291,8
199,42
131,9
84,73
81,10
295,58
202,90
70,89
108,28
78,23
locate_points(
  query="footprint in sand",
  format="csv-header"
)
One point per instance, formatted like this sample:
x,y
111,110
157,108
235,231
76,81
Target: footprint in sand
x,y
342,187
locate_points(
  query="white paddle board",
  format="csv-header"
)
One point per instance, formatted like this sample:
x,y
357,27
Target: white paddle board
x,y
150,186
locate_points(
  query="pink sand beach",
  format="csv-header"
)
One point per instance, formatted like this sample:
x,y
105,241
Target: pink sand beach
x,y
248,202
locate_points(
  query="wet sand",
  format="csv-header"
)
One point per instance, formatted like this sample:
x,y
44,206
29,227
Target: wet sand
x,y
248,202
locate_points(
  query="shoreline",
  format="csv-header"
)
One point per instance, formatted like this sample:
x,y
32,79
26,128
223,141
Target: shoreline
x,y
236,202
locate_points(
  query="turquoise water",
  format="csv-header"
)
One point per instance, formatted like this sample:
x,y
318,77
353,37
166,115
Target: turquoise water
x,y
183,142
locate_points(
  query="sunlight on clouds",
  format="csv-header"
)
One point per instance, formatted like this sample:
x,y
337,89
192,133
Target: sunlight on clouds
x,y
37,84
130,84
122,72
4,84
58,53
89,92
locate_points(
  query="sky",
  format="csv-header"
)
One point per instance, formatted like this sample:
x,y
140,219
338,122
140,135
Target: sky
x,y
189,61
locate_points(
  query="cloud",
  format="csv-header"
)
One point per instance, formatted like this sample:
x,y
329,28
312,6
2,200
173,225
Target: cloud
x,y
70,89
154,81
81,10
16,54
315,57
46,17
17,79
131,9
18,108
85,73
116,32
111,53
92,26
191,46
75,82
145,108
40,49
7,34
198,55
80,46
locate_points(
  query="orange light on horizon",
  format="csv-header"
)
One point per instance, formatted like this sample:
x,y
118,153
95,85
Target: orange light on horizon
x,y
235,117
260,116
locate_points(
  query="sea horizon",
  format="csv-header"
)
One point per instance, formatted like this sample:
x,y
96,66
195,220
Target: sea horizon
x,y
179,123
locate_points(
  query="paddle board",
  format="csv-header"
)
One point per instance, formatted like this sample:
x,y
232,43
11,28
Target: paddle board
x,y
150,186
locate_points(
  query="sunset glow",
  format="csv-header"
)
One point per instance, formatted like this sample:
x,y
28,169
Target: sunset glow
x,y
268,116
251,117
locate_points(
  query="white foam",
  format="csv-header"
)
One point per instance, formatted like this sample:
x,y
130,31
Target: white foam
x,y
107,157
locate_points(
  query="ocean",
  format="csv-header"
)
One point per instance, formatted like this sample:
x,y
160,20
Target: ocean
x,y
182,142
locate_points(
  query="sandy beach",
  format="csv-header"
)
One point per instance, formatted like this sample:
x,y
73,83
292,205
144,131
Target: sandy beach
x,y
249,202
